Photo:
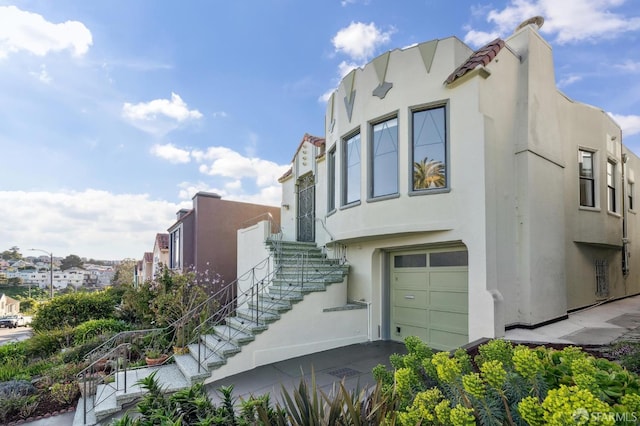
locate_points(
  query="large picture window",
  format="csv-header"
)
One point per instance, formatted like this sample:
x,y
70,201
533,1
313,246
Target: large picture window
x,y
331,184
587,179
611,186
429,154
384,158
351,170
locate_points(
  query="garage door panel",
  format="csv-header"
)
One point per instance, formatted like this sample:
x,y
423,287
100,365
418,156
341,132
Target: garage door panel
x,y
445,340
410,298
402,331
449,280
449,300
415,317
409,280
455,322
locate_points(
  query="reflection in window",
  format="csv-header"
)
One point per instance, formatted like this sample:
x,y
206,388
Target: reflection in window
x,y
351,170
410,261
429,149
587,181
384,152
449,258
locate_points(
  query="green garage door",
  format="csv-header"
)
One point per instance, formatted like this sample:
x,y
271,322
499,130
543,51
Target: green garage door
x,y
429,297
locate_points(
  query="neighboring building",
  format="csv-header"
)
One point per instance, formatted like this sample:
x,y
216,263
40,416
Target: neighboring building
x,y
8,305
137,274
147,266
160,254
205,238
469,194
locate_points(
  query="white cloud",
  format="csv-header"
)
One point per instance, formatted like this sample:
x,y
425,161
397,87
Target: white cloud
x,y
629,66
84,222
26,31
479,38
220,114
569,21
344,3
160,116
270,195
43,75
570,79
359,40
171,153
225,162
630,124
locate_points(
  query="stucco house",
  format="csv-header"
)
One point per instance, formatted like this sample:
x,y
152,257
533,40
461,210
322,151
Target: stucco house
x,y
466,192
8,305
160,253
203,239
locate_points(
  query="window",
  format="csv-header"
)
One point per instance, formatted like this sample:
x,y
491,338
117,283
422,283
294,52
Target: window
x,y
611,186
175,250
331,184
410,261
587,181
429,149
602,278
384,158
630,195
351,170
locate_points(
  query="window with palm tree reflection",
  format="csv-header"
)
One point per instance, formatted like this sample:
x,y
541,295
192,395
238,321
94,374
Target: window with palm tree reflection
x,y
429,149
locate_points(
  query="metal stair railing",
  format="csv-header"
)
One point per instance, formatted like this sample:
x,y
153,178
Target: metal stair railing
x,y
258,312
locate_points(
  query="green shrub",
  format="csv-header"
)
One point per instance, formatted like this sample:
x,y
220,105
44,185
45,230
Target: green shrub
x,y
628,354
78,353
71,310
16,396
45,344
13,350
92,329
13,369
65,393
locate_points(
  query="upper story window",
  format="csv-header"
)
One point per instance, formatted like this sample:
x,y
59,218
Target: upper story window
x,y
384,158
175,250
331,184
611,186
630,195
429,154
351,170
587,178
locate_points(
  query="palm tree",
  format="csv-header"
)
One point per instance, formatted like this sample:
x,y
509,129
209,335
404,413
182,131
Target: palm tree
x,y
428,174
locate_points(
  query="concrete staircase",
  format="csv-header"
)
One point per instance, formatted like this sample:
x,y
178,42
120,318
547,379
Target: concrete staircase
x,y
253,333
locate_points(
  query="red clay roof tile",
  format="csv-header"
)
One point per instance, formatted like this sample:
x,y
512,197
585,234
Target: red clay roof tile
x,y
482,56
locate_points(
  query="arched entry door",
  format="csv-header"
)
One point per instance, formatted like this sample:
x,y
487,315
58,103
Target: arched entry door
x,y
306,208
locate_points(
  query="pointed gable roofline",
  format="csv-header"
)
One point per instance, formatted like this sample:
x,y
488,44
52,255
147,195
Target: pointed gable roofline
x,y
313,140
162,240
482,56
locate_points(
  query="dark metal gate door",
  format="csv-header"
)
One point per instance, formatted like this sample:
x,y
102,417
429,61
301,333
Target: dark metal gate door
x,y
306,208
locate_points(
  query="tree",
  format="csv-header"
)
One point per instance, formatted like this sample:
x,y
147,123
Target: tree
x,y
71,261
12,254
124,273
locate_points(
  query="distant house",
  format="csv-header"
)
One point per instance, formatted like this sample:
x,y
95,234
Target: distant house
x,y
160,254
8,305
147,266
204,238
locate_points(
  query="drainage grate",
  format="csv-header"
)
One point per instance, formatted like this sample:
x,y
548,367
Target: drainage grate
x,y
344,372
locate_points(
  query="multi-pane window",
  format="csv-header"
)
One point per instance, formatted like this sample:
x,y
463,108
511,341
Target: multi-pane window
x,y
384,158
611,186
331,193
587,180
429,149
630,195
351,170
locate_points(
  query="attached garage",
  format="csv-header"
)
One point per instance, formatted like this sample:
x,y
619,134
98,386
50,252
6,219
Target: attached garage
x,y
429,296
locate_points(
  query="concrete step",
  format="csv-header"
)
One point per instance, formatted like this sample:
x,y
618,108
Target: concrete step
x,y
271,304
221,347
246,325
188,366
292,291
208,358
262,317
237,337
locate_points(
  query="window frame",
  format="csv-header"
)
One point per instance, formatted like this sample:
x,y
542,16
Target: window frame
x,y
175,261
593,179
331,179
411,145
612,202
344,170
630,197
371,158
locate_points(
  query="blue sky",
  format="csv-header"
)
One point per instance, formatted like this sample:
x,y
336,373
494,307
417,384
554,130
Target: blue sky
x,y
114,113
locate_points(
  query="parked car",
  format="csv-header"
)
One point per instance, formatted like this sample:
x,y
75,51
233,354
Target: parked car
x,y
14,321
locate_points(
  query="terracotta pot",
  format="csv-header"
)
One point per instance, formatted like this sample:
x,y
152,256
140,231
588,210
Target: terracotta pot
x,y
156,361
